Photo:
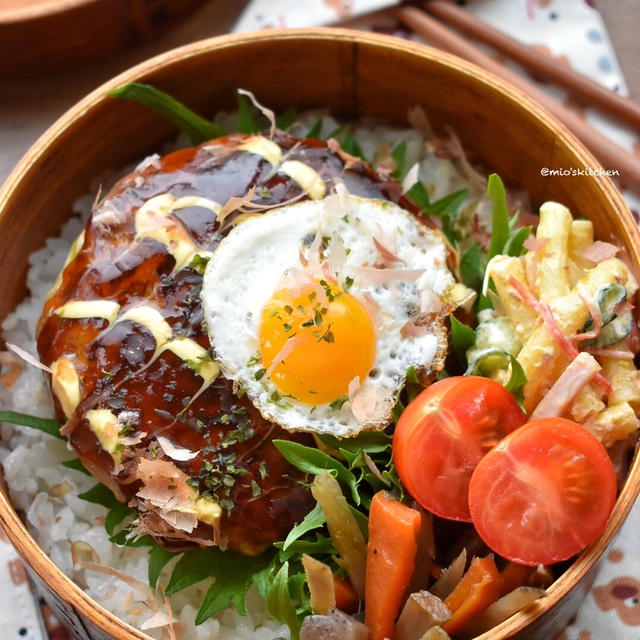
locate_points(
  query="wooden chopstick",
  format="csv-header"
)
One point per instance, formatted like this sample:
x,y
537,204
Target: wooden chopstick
x,y
544,66
609,154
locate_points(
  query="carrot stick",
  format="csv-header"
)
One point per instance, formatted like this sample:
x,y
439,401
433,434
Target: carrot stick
x,y
513,576
391,552
478,588
346,597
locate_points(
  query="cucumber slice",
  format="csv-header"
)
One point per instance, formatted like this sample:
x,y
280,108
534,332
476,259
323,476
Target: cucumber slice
x,y
484,362
612,332
497,333
608,299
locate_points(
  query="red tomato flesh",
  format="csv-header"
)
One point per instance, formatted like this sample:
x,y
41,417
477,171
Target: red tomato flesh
x,y
544,493
443,434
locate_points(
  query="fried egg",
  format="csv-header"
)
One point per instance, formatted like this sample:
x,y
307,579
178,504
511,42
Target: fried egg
x,y
317,310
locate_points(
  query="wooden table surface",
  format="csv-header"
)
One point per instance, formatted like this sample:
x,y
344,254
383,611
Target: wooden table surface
x,y
29,106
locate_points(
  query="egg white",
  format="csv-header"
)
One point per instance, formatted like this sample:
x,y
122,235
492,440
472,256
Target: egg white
x,y
248,267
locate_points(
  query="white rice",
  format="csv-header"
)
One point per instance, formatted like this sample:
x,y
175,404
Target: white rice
x,y
31,460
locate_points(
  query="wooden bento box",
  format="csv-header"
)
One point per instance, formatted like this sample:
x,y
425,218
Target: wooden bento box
x,y
352,74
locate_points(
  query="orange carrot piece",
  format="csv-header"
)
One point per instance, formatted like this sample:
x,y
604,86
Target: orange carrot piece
x,y
391,552
478,588
346,597
513,576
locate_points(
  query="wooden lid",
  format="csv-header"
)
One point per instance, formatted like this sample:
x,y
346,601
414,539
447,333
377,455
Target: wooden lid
x,y
41,36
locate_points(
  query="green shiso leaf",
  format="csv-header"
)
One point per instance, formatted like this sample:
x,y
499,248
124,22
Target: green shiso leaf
x,y
234,574
158,559
115,516
280,604
311,460
194,566
100,494
76,465
47,425
117,512
196,127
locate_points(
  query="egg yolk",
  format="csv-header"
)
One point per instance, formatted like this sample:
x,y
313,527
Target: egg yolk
x,y
322,337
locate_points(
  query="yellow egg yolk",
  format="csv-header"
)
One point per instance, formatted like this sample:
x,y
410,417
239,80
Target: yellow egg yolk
x,y
322,337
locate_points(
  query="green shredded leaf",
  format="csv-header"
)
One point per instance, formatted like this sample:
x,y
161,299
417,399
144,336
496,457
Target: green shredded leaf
x,y
246,120
320,546
286,119
398,153
462,338
159,557
280,604
448,205
312,460
196,127
369,441
76,465
499,216
263,578
514,244
47,425
340,132
473,263
420,196
314,519
314,132
518,378
350,145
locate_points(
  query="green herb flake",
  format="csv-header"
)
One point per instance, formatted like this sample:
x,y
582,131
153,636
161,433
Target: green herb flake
x,y
338,403
199,263
259,374
256,489
125,431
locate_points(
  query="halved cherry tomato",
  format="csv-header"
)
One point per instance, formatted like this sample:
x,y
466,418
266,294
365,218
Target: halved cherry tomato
x,y
544,493
442,435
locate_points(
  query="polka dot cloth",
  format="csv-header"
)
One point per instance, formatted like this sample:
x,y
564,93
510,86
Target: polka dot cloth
x,y
573,33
